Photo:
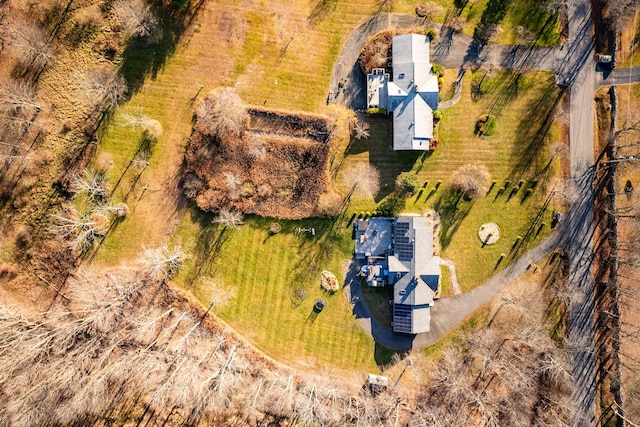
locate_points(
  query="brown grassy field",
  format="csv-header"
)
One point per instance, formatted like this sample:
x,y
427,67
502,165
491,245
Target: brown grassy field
x,y
629,103
278,167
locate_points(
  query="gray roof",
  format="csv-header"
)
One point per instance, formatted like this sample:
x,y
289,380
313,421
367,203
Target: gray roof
x,y
413,292
373,237
413,93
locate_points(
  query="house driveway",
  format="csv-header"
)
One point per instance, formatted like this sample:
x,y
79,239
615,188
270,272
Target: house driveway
x,y
451,49
446,312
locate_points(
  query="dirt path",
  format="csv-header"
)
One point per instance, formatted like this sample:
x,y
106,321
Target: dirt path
x,y
457,290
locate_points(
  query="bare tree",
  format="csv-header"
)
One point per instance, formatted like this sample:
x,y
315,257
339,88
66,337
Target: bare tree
x,y
151,128
221,114
137,18
80,231
92,184
257,150
471,180
361,129
488,32
106,86
18,99
428,9
137,119
164,261
34,46
457,23
617,13
229,218
365,178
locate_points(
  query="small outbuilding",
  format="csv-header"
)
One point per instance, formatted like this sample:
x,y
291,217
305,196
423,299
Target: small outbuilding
x,y
376,384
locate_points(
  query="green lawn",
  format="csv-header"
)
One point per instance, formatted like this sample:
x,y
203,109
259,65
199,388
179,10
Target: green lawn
x,y
377,300
262,273
517,152
509,15
297,47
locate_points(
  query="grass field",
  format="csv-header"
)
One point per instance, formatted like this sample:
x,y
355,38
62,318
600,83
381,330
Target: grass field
x,y
509,15
518,152
629,50
282,56
261,273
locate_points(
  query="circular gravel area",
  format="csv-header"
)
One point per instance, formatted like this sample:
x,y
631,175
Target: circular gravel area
x,y
489,233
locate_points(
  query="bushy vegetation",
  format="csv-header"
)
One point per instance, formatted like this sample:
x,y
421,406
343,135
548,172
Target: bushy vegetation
x,y
407,183
471,180
229,166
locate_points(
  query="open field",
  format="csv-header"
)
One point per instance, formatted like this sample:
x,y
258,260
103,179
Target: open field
x,y
522,149
282,57
542,28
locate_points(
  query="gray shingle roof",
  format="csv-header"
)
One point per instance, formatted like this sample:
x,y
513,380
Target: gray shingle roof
x,y
413,93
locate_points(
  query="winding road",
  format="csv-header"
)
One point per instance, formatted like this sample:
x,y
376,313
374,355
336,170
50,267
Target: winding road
x,y
575,67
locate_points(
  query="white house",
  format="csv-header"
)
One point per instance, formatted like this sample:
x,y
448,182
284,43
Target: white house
x,y
412,94
401,252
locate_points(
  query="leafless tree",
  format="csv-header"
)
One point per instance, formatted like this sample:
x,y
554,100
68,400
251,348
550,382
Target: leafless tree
x,y
361,129
428,9
152,130
457,23
221,114
617,13
136,119
257,150
488,32
566,191
34,46
471,180
228,218
106,86
365,178
18,99
137,18
92,184
79,231
164,261
329,204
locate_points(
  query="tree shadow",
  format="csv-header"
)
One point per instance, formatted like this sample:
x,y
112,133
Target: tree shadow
x,y
207,245
141,58
533,131
453,209
321,10
386,357
511,83
388,162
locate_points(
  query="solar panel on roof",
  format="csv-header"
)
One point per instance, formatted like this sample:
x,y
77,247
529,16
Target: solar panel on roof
x,y
402,318
404,244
